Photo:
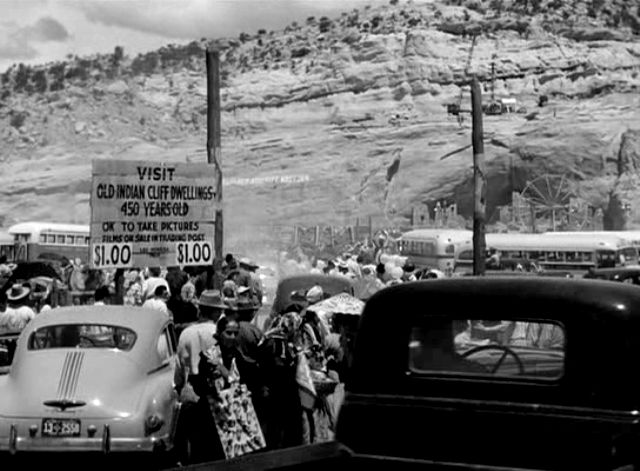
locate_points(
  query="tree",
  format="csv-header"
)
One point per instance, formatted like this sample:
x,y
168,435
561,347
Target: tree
x,y
118,55
325,24
22,77
145,63
39,80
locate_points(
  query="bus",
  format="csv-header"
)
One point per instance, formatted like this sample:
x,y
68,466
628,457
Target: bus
x,y
435,248
541,251
48,240
630,238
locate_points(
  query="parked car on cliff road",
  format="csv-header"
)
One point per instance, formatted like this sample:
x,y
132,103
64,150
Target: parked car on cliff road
x,y
91,378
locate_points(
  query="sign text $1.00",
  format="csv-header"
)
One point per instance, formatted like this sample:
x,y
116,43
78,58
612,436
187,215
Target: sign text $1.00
x,y
194,253
112,255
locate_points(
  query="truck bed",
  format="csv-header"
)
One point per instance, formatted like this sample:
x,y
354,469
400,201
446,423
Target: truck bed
x,y
327,456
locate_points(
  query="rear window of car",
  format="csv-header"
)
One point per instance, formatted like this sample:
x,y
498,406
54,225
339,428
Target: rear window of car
x,y
499,348
82,336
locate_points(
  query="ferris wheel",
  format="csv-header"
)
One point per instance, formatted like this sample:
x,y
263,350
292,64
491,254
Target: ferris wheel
x,y
550,197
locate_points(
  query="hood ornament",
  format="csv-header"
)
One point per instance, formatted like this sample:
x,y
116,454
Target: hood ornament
x,y
64,404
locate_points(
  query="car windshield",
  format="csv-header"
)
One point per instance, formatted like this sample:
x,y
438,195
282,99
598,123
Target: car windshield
x,y
82,336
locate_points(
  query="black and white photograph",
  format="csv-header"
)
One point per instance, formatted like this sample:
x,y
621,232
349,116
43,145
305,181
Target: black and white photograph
x,y
320,234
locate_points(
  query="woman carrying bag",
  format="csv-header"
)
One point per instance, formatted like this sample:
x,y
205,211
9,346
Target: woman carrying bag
x,y
229,399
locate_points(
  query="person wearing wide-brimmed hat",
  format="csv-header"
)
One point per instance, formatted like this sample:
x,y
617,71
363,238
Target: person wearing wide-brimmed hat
x,y
18,313
195,339
198,336
248,277
243,310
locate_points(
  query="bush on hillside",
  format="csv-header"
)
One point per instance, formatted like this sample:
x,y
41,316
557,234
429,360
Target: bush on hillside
x,y
22,75
145,64
325,24
300,52
17,118
39,80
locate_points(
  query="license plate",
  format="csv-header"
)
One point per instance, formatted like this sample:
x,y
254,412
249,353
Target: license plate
x,y
60,427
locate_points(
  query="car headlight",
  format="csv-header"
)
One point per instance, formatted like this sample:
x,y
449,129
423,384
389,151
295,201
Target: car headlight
x,y
153,423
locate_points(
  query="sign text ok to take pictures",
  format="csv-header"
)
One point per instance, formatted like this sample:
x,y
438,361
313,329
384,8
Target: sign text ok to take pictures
x,y
146,214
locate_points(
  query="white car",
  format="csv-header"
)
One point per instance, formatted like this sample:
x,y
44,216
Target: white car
x,y
91,378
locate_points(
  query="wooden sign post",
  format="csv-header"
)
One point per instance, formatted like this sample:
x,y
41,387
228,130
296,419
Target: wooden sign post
x,y
214,150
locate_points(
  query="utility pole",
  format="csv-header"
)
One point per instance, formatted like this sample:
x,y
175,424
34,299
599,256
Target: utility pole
x,y
214,157
493,78
479,191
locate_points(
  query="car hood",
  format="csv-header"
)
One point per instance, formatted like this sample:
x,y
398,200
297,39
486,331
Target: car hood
x,y
73,382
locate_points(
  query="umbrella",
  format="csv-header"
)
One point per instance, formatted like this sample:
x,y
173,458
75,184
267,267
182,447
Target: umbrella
x,y
53,257
342,303
28,270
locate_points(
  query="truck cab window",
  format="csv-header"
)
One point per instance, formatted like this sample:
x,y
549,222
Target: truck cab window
x,y
488,347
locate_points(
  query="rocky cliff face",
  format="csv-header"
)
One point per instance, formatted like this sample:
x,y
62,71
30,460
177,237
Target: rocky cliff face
x,y
357,105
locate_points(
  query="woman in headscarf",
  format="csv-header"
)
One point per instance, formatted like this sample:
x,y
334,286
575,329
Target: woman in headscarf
x,y
236,423
313,329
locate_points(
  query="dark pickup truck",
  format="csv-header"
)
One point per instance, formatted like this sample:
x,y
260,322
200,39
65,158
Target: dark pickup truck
x,y
487,373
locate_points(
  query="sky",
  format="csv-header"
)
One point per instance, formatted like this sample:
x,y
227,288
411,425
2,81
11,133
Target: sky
x,y
41,31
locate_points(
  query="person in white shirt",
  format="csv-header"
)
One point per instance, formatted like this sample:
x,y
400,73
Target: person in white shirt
x,y
150,284
198,337
194,340
18,313
159,300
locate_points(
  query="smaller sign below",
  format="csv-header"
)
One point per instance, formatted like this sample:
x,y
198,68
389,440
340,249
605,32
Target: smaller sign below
x,y
112,255
194,253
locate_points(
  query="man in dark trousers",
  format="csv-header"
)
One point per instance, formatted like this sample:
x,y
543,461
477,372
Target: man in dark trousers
x,y
196,422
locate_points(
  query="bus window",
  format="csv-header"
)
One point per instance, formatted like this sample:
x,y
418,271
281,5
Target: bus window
x,y
70,239
630,254
450,249
606,258
86,241
43,238
60,239
429,248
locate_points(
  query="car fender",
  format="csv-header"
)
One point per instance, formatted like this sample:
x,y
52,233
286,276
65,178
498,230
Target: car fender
x,y
161,398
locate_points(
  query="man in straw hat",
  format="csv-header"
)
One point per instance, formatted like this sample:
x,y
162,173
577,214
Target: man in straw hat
x,y
198,337
243,310
18,313
194,339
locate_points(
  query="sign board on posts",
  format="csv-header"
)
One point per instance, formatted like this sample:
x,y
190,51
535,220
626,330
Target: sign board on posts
x,y
147,214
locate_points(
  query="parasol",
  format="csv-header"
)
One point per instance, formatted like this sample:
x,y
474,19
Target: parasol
x,y
27,270
342,303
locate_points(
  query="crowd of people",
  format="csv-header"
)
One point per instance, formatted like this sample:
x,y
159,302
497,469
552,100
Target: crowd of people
x,y
281,380
285,376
